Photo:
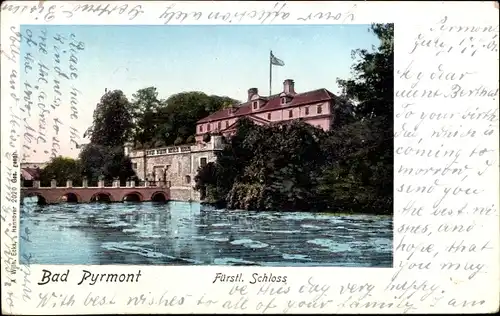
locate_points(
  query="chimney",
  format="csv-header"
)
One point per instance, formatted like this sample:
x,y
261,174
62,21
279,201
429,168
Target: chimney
x,y
289,87
251,92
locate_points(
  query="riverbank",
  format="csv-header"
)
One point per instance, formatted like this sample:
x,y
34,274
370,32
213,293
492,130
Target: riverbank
x,y
325,212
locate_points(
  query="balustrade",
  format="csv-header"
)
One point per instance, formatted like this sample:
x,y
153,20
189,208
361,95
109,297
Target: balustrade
x,y
85,183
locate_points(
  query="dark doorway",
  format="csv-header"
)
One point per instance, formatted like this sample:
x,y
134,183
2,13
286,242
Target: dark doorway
x,y
71,198
101,198
132,197
41,200
158,197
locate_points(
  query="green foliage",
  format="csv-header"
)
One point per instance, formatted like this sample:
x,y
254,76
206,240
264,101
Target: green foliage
x,y
112,122
174,119
373,88
191,139
295,166
143,108
373,82
61,169
183,110
110,162
112,126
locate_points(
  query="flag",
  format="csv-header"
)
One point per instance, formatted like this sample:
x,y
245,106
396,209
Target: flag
x,y
276,61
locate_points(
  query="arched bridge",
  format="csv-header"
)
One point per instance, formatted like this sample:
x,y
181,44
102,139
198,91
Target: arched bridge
x,y
86,194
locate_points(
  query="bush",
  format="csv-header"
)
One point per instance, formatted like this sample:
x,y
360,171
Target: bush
x,y
190,139
296,167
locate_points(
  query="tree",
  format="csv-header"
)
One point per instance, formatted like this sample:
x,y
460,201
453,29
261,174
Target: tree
x,y
205,179
111,128
110,162
371,156
265,167
173,119
181,112
373,82
143,109
61,169
112,124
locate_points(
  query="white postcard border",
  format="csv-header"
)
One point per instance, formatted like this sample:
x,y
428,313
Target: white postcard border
x,y
408,287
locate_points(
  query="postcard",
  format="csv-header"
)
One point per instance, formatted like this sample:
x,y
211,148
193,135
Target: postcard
x,y
249,157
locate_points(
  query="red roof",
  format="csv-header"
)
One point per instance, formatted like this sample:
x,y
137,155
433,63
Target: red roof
x,y
30,173
273,103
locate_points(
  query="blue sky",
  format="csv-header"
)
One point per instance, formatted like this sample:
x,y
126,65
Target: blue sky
x,y
215,59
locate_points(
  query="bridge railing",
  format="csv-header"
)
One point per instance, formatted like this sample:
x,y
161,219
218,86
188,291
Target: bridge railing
x,y
97,184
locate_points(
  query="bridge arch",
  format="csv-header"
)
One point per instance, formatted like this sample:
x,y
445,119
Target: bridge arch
x,y
42,200
159,196
101,197
133,196
71,197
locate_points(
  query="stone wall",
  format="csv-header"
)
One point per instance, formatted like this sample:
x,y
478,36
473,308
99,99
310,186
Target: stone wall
x,y
174,168
177,164
184,194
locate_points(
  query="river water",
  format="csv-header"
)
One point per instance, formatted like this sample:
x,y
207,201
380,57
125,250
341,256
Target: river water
x,y
184,233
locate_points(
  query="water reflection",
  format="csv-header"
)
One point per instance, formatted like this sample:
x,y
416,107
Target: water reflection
x,y
188,233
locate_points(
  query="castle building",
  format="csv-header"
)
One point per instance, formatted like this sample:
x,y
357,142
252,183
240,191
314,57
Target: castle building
x,y
314,107
177,165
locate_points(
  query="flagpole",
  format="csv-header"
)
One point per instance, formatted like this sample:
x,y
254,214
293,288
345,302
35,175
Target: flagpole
x,y
270,72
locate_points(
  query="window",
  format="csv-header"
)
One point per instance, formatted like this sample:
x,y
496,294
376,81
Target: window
x,y
283,100
307,111
219,125
269,116
227,124
203,162
254,104
188,179
319,109
134,165
201,128
290,114
208,127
